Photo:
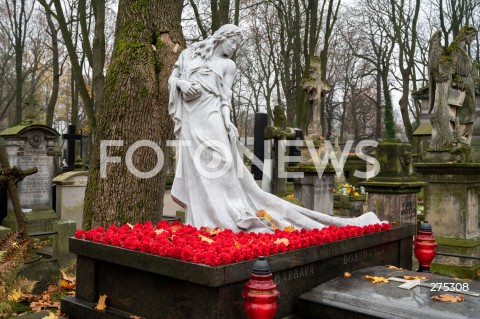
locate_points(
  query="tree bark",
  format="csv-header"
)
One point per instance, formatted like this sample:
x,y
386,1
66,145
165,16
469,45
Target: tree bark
x,y
148,40
55,71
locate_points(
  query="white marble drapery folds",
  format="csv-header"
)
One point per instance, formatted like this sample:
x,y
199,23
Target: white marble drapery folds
x,y
216,197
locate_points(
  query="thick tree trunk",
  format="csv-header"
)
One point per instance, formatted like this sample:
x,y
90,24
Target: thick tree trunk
x,y
148,41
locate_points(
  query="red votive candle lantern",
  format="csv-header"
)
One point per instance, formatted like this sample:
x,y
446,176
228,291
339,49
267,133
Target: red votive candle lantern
x,y
260,293
425,246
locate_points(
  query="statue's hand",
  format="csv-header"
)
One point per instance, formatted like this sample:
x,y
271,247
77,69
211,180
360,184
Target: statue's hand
x,y
232,130
186,87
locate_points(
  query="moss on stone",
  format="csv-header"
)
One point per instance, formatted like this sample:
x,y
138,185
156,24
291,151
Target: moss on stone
x,y
458,242
456,271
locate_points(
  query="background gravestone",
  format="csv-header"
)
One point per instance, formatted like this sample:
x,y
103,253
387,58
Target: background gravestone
x,y
70,193
32,145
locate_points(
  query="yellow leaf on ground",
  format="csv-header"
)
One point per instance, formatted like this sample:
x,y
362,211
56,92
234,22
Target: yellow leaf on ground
x,y
51,315
204,238
67,284
414,277
289,229
14,295
101,303
135,317
282,241
68,277
291,196
347,275
376,279
448,298
393,267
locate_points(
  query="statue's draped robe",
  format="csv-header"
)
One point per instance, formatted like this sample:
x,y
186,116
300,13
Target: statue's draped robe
x,y
463,69
232,198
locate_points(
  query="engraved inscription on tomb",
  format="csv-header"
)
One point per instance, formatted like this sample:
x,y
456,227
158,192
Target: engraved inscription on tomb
x,y
408,208
35,190
294,274
362,255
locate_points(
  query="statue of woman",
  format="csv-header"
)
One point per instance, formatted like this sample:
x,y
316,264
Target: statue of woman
x,y
211,181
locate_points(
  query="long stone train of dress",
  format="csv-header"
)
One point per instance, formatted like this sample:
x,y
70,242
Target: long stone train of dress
x,y
231,199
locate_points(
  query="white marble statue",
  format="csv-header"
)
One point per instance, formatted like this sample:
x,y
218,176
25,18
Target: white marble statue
x,y
211,181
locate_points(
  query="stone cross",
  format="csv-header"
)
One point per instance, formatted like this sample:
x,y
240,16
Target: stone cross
x,y
71,137
315,86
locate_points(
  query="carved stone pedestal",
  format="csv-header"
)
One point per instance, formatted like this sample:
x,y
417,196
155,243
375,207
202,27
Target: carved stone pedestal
x,y
393,193
452,207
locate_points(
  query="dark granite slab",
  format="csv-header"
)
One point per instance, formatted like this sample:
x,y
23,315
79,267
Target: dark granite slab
x,y
157,287
356,297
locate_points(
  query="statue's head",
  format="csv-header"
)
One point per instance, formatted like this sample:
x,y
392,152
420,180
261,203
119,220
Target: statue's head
x,y
466,34
227,32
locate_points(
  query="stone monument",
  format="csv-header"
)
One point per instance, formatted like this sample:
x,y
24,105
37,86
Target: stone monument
x,y
393,193
32,145
315,86
452,173
451,101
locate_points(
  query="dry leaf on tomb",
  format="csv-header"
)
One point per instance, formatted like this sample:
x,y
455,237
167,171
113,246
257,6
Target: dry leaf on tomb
x,y
284,241
159,231
101,303
414,277
448,298
51,315
289,229
376,279
393,267
213,231
347,275
261,213
204,238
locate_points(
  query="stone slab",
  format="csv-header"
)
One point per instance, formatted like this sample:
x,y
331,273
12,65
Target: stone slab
x,y
149,285
356,297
